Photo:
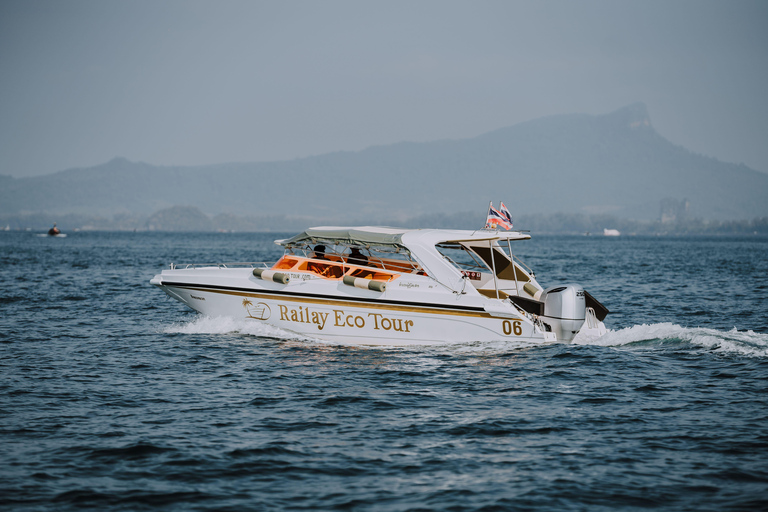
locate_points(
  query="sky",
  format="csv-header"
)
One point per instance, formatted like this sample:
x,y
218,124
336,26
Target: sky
x,y
190,82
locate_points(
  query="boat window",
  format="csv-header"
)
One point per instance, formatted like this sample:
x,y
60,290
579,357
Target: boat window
x,y
371,274
462,257
386,257
504,267
393,258
320,268
331,252
285,263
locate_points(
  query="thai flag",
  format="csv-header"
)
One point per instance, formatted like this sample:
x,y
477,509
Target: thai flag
x,y
496,219
505,213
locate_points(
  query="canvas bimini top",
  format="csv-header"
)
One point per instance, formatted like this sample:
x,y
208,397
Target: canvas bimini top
x,y
375,235
366,235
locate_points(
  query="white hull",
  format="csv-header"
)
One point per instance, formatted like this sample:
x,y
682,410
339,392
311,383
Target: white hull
x,y
352,316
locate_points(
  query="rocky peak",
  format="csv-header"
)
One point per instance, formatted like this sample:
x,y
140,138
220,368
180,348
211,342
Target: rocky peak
x,y
633,116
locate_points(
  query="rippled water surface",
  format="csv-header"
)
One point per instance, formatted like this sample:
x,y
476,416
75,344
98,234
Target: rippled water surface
x,y
114,397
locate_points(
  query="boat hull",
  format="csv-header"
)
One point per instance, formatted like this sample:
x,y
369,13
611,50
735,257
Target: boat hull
x,y
358,320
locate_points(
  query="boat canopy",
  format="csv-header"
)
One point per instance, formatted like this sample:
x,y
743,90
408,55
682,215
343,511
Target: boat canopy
x,y
375,235
365,235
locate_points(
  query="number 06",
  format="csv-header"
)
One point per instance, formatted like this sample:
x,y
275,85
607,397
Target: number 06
x,y
510,327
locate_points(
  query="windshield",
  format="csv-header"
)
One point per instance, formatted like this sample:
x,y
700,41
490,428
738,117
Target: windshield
x,y
462,257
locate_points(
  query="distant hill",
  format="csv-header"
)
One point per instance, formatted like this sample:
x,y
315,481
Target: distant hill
x,y
610,164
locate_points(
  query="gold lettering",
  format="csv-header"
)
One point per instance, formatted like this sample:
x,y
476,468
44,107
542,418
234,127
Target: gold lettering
x,y
319,319
407,324
324,316
375,320
304,315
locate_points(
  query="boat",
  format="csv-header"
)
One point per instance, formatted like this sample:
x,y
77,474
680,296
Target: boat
x,y
388,286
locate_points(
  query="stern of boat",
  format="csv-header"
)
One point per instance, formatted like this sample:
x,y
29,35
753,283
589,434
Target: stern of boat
x,y
569,310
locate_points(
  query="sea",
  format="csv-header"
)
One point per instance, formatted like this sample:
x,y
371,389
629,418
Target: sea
x,y
114,397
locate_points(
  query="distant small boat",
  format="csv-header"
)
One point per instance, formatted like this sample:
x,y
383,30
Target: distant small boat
x,y
611,232
54,231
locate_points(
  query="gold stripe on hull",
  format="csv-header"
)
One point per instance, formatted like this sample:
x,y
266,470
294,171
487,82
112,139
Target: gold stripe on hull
x,y
342,303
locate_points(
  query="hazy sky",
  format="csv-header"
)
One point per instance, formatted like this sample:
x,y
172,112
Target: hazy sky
x,y
187,82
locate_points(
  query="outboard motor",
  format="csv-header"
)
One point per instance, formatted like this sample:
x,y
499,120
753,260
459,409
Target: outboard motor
x,y
565,309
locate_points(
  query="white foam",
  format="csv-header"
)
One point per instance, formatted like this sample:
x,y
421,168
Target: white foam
x,y
741,342
229,325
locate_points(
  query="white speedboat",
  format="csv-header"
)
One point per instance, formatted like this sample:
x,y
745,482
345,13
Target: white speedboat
x,y
385,286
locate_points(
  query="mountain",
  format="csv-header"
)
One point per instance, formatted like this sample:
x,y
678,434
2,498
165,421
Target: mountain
x,y
614,163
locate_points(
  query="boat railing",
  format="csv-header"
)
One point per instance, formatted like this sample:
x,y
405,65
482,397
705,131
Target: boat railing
x,y
235,264
522,263
393,265
403,265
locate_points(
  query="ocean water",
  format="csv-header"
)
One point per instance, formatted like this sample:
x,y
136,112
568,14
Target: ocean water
x,y
113,397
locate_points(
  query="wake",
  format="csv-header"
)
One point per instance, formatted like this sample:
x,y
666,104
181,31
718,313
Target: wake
x,y
746,343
